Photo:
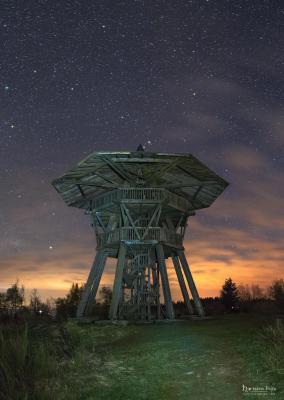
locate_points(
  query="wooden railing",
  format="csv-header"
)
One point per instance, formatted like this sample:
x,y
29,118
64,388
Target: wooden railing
x,y
143,194
129,234
155,195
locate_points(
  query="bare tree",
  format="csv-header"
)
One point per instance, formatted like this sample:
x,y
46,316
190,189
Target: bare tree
x,y
244,292
257,292
35,301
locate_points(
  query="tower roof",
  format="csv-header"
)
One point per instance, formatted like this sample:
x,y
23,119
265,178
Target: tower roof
x,y
100,172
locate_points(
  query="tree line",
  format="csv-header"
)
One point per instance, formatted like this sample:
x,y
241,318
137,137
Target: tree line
x,y
232,298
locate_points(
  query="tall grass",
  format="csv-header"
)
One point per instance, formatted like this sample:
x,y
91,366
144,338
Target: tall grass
x,y
27,364
272,336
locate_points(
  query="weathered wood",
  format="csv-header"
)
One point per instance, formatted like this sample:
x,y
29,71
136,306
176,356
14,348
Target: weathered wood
x,y
116,292
191,284
96,283
165,282
140,203
182,285
94,274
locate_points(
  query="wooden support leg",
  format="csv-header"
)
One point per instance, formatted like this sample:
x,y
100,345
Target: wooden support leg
x,y
94,289
156,287
165,282
182,284
116,292
191,284
92,283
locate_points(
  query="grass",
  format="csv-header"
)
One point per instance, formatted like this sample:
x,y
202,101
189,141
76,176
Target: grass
x,y
273,339
29,357
209,359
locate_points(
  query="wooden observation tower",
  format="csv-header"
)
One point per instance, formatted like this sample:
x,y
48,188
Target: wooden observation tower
x,y
140,203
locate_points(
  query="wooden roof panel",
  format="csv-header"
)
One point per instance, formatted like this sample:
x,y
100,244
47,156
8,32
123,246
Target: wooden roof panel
x,y
103,171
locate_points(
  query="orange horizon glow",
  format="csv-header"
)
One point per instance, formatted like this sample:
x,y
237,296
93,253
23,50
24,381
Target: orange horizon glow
x,y
209,264
249,249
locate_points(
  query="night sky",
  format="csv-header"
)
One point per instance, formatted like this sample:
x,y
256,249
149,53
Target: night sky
x,y
203,77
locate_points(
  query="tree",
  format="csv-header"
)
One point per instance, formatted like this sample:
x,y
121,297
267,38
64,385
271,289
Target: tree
x,y
229,295
276,291
15,296
35,301
67,306
73,298
249,293
244,292
106,295
3,302
256,292
100,309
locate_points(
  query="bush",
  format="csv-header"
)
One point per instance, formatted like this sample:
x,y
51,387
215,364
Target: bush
x,y
276,292
273,339
213,306
29,360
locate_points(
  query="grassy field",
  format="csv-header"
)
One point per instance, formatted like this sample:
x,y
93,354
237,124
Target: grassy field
x,y
209,359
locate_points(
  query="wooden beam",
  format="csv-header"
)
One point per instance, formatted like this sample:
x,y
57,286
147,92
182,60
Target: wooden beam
x,y
182,284
94,274
100,222
155,213
165,282
119,171
96,283
117,286
191,284
131,220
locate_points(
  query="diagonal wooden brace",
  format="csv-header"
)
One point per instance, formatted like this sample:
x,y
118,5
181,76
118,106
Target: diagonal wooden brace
x,y
191,284
182,284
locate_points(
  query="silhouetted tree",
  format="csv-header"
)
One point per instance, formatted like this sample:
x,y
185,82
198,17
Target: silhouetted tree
x,y
67,306
229,295
276,291
3,304
35,301
15,296
257,292
106,295
244,292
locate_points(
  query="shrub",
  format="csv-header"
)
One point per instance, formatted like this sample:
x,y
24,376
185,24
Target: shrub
x,y
28,360
273,339
276,291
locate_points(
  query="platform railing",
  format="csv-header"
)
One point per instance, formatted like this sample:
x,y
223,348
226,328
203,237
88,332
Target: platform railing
x,y
141,195
129,234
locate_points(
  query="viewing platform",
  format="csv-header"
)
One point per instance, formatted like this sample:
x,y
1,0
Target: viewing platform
x,y
139,235
136,195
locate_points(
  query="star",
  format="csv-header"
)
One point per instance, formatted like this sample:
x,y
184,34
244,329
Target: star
x,y
182,80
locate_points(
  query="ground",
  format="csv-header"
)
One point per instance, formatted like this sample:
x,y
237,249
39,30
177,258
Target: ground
x,y
209,359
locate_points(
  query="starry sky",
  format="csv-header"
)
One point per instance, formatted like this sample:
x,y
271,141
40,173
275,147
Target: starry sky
x,y
201,76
